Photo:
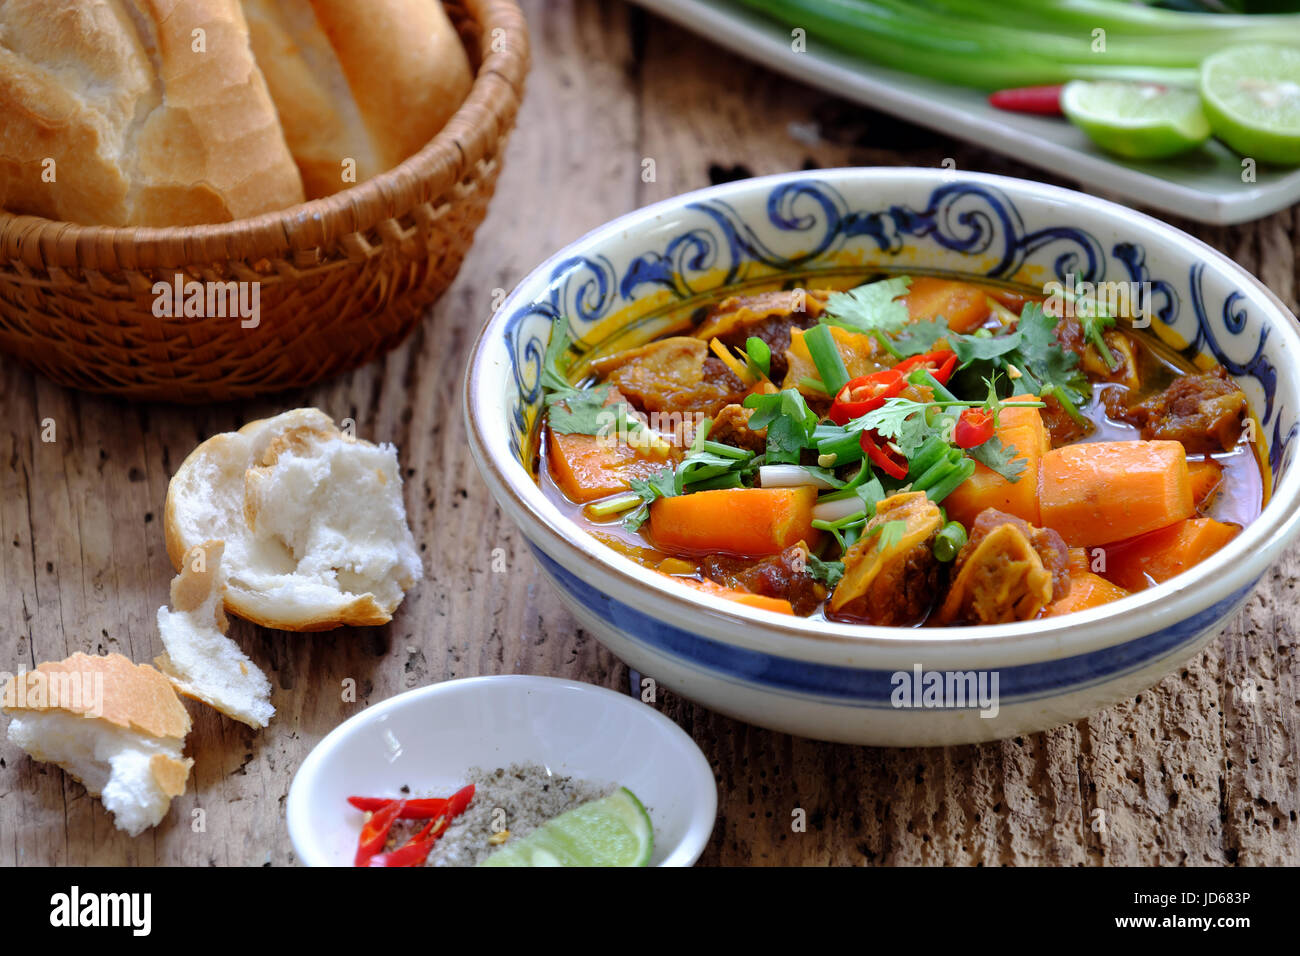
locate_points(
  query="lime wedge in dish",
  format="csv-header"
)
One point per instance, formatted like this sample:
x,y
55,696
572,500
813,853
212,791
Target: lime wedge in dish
x,y
612,831
1136,120
1252,99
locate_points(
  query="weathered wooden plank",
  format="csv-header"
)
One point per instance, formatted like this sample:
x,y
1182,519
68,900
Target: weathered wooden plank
x,y
1201,769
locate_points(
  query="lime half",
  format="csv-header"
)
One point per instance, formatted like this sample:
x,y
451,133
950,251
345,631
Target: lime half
x,y
1252,97
613,831
1136,120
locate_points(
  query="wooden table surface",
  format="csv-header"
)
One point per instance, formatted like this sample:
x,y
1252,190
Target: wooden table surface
x,y
1202,769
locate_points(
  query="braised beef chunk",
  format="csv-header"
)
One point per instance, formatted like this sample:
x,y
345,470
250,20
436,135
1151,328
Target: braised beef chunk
x,y
783,575
1201,411
1061,425
1009,570
731,426
769,316
775,331
892,578
672,375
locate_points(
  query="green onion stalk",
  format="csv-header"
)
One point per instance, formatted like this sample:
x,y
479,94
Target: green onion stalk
x,y
1013,43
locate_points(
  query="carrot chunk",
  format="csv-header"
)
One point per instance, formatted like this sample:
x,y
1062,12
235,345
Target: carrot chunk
x,y
587,467
1206,476
779,605
1100,492
743,521
964,306
1086,590
1023,429
1157,556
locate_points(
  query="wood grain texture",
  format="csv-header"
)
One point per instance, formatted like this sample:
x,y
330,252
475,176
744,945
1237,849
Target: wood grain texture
x,y
1201,769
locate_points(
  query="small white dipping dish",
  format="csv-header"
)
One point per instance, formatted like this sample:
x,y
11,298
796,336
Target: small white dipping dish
x,y
428,738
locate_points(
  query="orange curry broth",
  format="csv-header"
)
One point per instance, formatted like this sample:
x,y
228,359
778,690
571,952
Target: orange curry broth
x,y
1238,499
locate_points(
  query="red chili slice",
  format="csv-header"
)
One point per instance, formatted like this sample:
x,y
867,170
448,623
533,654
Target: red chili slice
x,y
415,850
864,394
886,459
375,832
458,801
414,809
974,427
940,364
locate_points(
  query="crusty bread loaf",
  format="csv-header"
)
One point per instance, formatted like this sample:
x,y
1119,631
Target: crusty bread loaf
x,y
117,727
200,660
146,121
372,82
312,519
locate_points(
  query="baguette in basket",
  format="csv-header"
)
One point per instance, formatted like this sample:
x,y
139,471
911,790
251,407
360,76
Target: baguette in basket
x,y
158,113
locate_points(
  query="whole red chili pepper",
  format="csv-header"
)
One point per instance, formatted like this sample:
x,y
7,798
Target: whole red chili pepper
x,y
940,364
414,809
887,460
864,394
374,834
1041,100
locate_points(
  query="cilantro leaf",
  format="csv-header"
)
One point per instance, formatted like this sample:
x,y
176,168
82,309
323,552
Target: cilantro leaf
x,y
901,421
999,457
1039,355
921,337
662,484
581,411
556,361
827,572
868,308
789,422
977,348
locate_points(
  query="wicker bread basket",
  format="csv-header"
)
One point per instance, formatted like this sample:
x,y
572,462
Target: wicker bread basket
x,y
340,279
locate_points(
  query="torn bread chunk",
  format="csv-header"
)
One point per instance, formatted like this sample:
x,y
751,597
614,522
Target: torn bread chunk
x,y
116,726
200,660
312,519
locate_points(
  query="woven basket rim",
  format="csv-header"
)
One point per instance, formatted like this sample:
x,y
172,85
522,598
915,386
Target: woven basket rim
x,y
467,138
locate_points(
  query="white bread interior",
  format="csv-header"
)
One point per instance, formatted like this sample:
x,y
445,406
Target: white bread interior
x,y
312,519
200,660
372,82
127,752
143,129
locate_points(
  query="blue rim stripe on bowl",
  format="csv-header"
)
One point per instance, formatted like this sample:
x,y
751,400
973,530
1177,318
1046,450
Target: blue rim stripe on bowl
x,y
861,687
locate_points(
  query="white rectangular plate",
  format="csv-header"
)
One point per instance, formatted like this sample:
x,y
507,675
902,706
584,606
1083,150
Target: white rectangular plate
x,y
1205,185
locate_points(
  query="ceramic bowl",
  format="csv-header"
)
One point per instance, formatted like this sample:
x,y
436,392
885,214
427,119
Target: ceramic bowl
x,y
643,272
427,739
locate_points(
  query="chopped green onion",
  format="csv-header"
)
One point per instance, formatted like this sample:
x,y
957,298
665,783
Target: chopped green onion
x,y
949,462
759,354
794,476
836,524
887,344
950,540
826,356
922,376
726,451
851,488
934,449
847,448
948,484
613,506
1071,409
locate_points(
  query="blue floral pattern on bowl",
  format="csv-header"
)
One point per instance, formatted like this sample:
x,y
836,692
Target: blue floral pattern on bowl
x,y
721,248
